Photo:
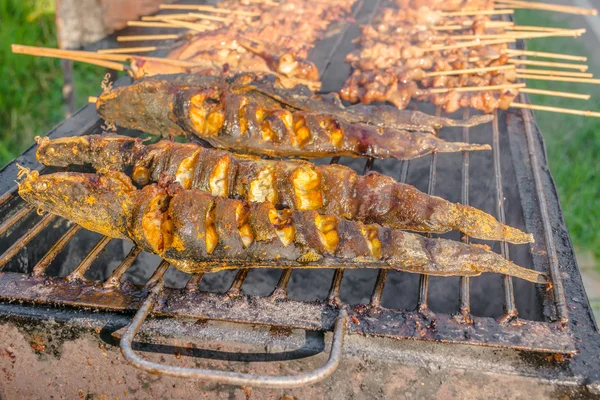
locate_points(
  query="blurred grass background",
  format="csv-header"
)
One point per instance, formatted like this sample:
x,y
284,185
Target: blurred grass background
x,y
31,104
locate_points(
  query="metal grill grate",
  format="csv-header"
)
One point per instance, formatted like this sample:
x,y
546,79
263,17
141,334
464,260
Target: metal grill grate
x,y
550,335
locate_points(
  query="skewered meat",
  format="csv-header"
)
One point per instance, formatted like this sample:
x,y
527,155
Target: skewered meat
x,y
396,54
250,122
297,185
197,232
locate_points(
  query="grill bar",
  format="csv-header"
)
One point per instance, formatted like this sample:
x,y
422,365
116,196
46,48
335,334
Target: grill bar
x,y
336,283
280,291
510,308
194,281
114,280
16,217
557,285
464,290
8,195
236,286
25,239
87,262
39,269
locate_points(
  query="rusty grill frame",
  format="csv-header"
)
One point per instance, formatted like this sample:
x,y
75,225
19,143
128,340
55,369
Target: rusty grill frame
x,y
553,335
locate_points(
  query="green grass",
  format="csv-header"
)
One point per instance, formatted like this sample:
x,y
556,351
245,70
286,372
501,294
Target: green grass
x,y
573,142
31,87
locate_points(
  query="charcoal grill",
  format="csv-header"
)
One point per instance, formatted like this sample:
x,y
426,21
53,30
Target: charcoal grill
x,y
61,283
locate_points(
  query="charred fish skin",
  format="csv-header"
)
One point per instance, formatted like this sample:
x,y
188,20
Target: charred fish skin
x,y
196,231
384,116
253,123
294,184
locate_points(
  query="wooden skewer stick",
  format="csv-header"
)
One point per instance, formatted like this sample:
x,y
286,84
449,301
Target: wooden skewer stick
x,y
77,56
475,88
50,52
92,99
89,55
547,7
468,24
535,28
556,109
191,26
143,38
167,16
520,35
477,12
552,72
207,8
541,54
207,17
142,24
558,78
580,67
556,94
475,43
470,70
128,50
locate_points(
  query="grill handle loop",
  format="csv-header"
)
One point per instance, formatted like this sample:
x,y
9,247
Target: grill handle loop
x,y
226,377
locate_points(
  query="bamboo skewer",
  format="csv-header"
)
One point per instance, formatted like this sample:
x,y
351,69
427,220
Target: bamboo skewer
x,y
127,50
89,55
546,7
580,67
551,72
474,88
207,8
166,16
558,78
556,109
143,24
555,94
207,17
470,70
191,25
536,28
143,38
520,35
542,54
476,43
468,24
477,12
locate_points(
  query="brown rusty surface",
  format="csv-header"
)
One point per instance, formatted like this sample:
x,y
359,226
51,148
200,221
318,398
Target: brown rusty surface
x,y
86,367
538,336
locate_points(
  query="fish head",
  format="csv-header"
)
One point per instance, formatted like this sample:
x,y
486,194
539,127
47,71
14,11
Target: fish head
x,y
100,203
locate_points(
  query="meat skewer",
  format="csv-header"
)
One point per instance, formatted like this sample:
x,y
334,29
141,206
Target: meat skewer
x,y
293,184
197,232
236,117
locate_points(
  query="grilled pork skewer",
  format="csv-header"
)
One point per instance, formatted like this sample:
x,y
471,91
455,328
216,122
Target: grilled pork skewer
x,y
297,185
198,232
256,124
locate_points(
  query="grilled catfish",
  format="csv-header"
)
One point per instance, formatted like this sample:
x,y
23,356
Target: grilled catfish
x,y
198,232
235,116
294,184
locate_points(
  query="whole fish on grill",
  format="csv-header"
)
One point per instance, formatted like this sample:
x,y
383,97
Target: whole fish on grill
x,y
198,232
299,185
230,114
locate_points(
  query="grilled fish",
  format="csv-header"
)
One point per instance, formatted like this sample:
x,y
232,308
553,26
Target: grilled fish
x,y
198,232
236,117
294,184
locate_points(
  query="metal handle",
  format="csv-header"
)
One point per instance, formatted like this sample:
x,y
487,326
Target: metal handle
x,y
225,377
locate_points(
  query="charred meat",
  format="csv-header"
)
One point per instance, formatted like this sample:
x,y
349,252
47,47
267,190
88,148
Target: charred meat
x,y
297,185
244,120
196,231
